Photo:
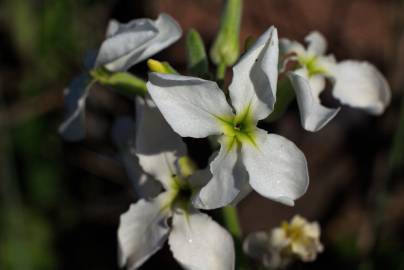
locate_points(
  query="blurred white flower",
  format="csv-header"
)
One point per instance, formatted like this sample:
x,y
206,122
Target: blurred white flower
x,y
130,43
298,239
357,84
248,156
125,45
196,241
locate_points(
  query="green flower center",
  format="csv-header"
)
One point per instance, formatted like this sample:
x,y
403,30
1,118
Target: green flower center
x,y
182,193
312,65
239,129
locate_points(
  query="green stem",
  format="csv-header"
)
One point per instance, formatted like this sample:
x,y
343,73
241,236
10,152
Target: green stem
x,y
230,219
220,74
232,223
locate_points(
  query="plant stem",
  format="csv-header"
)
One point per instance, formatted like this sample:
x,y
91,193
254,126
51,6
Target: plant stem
x,y
220,74
232,223
230,219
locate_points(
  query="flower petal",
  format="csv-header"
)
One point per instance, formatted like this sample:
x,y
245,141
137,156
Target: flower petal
x,y
142,231
361,85
198,243
228,179
317,85
277,168
255,77
73,127
157,154
199,178
316,43
130,43
287,46
190,105
256,245
122,133
313,115
245,190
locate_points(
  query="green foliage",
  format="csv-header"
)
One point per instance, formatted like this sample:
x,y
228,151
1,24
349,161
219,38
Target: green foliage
x,y
123,82
25,242
196,55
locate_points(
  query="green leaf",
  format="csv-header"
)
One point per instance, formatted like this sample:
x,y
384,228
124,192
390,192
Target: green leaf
x,y
123,82
196,54
225,49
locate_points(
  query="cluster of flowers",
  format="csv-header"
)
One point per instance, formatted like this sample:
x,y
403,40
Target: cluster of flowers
x,y
174,106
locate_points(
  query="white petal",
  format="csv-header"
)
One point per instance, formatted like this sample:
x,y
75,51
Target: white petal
x,y
123,134
255,77
277,168
199,243
145,186
245,190
317,85
228,179
317,82
287,46
313,115
130,43
316,43
199,178
142,231
113,26
256,245
157,145
326,63
190,105
361,85
73,127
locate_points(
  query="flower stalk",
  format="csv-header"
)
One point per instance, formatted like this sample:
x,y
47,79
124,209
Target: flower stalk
x,y
232,224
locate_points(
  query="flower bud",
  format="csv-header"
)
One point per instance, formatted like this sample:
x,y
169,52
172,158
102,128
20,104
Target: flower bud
x,y
225,49
160,67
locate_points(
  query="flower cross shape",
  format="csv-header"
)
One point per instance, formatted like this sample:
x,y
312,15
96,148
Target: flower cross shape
x,y
248,156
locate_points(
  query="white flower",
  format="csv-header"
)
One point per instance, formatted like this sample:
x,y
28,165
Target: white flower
x,y
271,164
123,132
196,241
357,84
128,44
279,247
125,45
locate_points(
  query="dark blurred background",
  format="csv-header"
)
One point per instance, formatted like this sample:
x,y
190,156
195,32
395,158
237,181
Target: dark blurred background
x,y
60,202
